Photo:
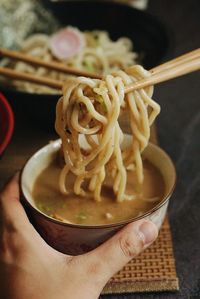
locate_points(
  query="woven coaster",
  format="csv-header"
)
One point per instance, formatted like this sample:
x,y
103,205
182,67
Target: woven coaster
x,y
153,270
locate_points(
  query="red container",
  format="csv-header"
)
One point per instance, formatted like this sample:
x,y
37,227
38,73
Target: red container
x,y
6,123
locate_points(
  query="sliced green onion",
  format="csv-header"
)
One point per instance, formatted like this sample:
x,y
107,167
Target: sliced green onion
x,y
82,216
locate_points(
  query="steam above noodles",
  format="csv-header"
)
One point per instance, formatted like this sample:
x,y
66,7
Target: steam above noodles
x,y
91,107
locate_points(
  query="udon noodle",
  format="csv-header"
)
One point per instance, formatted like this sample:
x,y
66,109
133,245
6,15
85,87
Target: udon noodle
x,y
91,107
99,54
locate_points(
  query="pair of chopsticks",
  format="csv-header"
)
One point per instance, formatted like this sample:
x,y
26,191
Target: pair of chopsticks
x,y
182,65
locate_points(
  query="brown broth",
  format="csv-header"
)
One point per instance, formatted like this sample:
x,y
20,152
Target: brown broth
x,y
84,210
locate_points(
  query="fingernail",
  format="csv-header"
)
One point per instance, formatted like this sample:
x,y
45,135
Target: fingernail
x,y
149,232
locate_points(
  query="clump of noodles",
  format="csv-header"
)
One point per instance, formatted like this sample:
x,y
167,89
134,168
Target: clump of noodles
x,y
91,107
99,55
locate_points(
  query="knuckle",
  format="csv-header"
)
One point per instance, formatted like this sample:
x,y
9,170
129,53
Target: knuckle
x,y
11,246
131,245
10,226
4,248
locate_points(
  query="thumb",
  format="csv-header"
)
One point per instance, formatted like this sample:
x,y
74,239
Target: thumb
x,y
111,256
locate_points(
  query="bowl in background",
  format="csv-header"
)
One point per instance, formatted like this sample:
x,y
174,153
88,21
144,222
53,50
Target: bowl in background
x,y
149,36
75,239
6,123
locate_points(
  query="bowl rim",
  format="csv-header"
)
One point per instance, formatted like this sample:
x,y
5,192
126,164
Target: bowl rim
x,y
102,226
154,18
10,120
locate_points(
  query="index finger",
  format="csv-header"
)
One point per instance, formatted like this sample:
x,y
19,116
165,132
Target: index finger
x,y
12,210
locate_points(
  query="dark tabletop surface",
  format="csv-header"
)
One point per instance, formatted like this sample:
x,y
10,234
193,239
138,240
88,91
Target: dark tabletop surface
x,y
179,135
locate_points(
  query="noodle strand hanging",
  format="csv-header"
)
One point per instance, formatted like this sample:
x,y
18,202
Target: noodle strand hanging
x,y
91,108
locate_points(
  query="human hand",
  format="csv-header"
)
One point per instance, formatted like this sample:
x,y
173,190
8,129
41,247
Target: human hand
x,y
30,268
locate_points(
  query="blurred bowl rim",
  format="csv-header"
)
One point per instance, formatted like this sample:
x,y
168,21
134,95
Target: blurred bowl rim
x,y
157,207
10,116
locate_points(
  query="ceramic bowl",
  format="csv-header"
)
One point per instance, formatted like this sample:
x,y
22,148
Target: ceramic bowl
x,y
75,239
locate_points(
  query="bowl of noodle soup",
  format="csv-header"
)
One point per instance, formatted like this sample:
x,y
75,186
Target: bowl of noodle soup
x,y
75,239
79,191
112,23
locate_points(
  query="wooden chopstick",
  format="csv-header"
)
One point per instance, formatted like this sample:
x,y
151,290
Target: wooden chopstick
x,y
10,73
179,66
178,60
57,66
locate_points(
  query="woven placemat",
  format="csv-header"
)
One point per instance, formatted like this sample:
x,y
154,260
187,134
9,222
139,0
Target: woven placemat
x,y
153,270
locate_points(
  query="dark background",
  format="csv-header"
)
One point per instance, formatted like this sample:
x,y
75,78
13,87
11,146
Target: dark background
x,y
179,135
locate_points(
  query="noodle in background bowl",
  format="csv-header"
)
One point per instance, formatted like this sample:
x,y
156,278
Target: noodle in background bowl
x,y
149,36
75,239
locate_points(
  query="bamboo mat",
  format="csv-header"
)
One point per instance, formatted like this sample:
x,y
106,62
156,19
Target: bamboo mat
x,y
153,270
